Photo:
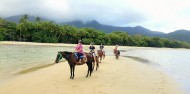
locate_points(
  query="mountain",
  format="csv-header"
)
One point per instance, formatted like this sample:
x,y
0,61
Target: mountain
x,y
97,25
16,18
109,28
182,35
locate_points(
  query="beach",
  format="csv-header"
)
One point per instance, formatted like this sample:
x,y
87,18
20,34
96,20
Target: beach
x,y
122,76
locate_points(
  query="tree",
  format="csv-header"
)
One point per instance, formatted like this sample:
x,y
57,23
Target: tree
x,y
24,18
38,19
22,26
45,31
7,30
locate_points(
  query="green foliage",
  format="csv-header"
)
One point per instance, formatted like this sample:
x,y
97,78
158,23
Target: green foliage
x,y
7,30
86,41
48,32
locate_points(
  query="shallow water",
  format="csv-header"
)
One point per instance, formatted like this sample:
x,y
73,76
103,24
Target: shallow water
x,y
14,58
174,62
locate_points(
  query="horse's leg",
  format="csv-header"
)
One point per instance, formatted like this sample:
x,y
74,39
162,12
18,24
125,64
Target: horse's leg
x,y
117,56
103,54
93,65
88,69
71,71
97,65
100,58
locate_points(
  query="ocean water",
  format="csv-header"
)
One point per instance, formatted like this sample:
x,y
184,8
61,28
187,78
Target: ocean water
x,y
174,62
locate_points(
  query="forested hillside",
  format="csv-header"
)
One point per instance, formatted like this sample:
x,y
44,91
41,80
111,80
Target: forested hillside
x,y
49,32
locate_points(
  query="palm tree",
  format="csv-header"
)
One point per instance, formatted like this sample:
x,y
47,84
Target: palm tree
x,y
38,19
24,18
23,21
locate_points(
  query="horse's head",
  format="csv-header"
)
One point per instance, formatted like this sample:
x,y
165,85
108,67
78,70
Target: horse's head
x,y
61,55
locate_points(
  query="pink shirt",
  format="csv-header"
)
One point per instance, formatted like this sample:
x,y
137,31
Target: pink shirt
x,y
79,48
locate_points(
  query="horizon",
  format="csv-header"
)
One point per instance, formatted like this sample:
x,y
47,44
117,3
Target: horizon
x,y
163,16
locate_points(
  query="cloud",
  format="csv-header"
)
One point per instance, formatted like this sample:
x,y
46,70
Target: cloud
x,y
164,15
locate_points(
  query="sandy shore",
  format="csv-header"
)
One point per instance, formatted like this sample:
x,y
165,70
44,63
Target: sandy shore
x,y
85,46
123,76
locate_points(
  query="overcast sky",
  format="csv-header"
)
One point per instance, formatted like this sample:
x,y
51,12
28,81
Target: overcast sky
x,y
157,15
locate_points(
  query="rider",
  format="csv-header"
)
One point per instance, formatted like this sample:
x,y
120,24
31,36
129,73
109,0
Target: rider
x,y
102,48
92,48
115,48
79,49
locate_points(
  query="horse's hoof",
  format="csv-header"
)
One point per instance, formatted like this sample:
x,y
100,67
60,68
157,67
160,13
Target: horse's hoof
x,y
71,77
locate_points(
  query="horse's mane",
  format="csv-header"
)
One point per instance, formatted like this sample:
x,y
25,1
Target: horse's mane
x,y
66,52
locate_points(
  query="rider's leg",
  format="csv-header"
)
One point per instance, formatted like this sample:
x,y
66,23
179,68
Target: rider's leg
x,y
94,55
79,56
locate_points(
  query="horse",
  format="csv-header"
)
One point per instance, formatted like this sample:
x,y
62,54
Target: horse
x,y
73,61
116,53
95,61
100,55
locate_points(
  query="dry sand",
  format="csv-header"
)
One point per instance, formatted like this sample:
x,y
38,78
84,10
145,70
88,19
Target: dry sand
x,y
123,76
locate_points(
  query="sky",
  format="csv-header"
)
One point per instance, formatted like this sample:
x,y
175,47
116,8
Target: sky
x,y
157,15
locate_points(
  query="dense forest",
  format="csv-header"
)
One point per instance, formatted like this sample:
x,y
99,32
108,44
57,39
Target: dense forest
x,y
49,32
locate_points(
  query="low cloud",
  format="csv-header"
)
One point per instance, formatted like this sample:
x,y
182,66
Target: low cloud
x,y
153,14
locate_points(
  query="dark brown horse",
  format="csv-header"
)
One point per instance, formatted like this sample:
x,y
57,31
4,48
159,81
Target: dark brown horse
x,y
101,54
72,61
116,53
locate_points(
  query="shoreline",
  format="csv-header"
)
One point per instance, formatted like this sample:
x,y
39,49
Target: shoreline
x,y
73,45
123,76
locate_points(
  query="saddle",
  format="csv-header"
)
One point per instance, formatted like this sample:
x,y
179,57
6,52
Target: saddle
x,y
83,59
117,52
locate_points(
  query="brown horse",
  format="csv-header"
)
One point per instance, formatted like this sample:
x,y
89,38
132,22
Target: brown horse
x,y
72,61
100,55
95,61
116,53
